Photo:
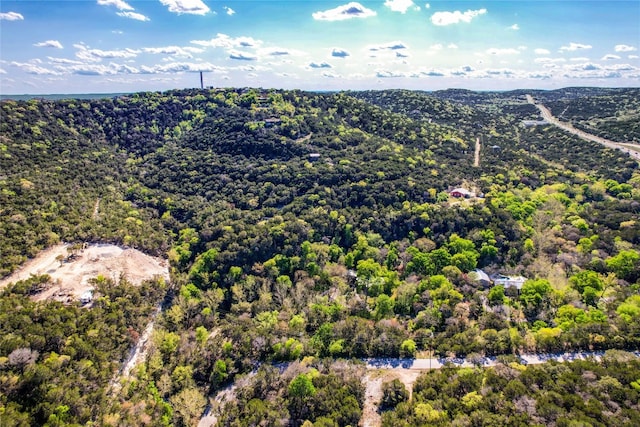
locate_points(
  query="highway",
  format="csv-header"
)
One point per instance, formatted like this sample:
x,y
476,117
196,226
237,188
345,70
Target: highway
x,y
568,127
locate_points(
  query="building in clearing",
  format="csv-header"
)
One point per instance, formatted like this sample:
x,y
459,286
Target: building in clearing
x,y
509,281
480,277
461,192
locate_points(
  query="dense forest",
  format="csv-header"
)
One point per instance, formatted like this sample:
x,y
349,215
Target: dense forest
x,y
309,229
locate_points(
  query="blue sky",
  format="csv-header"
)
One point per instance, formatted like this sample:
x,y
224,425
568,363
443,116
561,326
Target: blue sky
x,y
82,46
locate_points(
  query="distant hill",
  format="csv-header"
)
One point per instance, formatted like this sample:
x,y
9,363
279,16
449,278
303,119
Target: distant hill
x,y
55,97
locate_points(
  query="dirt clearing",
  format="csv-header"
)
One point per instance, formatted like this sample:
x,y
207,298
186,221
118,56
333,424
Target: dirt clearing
x,y
373,392
70,279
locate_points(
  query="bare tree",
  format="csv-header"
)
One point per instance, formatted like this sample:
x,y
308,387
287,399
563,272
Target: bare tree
x,y
21,357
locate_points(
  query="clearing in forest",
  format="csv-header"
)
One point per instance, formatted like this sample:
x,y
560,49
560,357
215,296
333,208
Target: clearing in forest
x,y
71,269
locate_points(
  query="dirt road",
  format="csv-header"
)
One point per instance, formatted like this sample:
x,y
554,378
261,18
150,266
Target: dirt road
x,y
476,157
568,127
137,355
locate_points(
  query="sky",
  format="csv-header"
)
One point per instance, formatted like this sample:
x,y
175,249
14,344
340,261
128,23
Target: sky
x,y
115,46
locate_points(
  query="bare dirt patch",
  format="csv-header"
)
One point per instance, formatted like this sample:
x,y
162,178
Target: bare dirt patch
x,y
373,391
70,279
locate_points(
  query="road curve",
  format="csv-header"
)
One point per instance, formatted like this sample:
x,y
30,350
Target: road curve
x,y
568,127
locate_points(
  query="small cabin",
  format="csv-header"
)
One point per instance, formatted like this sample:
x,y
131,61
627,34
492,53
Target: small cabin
x,y
314,157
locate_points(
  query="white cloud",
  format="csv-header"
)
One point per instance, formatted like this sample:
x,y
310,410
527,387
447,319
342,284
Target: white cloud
x,y
242,56
34,69
224,41
452,46
96,55
448,18
192,7
11,16
386,74
428,73
291,75
320,65
575,46
621,67
548,60
625,48
514,27
183,67
396,45
633,57
49,43
609,57
119,4
100,69
279,52
247,68
496,51
133,15
540,51
401,5
276,52
62,61
174,50
229,11
587,66
427,6
339,53
541,76
592,71
341,13
2,71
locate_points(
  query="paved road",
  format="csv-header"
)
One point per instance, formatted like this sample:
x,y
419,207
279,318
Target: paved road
x,y
525,359
568,127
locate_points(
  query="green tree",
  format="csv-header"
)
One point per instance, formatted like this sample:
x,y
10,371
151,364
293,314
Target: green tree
x,y
496,295
626,264
393,393
408,348
188,405
384,307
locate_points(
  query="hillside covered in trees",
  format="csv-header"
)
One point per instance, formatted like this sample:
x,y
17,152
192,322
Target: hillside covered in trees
x,y
311,227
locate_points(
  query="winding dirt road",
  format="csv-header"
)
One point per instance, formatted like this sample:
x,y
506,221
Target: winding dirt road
x,y
568,127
